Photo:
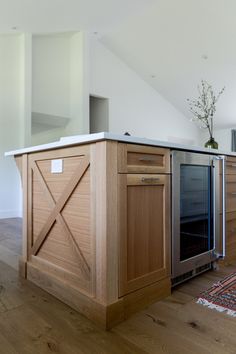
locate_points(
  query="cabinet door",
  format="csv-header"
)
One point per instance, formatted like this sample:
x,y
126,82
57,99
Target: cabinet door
x,y
144,230
230,237
230,193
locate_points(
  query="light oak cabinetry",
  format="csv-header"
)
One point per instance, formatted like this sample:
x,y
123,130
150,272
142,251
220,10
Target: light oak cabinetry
x,y
230,177
97,232
143,216
144,229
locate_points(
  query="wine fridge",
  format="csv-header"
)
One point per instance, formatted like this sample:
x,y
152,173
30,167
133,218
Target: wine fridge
x,y
198,209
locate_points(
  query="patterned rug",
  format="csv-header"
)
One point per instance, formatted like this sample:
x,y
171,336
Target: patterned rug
x,y
221,296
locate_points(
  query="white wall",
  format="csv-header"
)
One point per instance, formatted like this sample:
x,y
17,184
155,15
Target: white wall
x,y
59,86
51,74
10,123
221,136
47,136
134,106
79,95
25,61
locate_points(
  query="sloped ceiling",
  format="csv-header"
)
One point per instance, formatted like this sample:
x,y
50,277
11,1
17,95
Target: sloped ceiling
x,y
175,44
171,44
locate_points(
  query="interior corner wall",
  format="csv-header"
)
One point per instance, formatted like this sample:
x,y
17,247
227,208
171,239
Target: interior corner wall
x,y
134,106
47,136
10,124
79,95
51,74
25,60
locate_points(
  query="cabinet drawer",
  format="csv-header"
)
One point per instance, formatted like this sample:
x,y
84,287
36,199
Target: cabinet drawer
x,y
143,159
230,193
231,166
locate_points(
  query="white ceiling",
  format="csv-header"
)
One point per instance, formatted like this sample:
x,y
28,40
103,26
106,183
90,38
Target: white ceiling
x,y
161,38
169,39
66,15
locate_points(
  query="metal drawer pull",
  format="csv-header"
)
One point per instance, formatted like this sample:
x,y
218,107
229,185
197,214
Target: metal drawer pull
x,y
147,159
232,165
233,193
150,179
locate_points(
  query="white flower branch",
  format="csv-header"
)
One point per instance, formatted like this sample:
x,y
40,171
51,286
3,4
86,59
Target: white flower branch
x,y
204,108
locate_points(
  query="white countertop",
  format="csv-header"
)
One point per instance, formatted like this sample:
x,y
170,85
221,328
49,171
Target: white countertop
x,y
89,138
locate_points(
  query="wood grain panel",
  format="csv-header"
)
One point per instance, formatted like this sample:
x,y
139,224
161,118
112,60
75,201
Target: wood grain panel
x,y
230,237
72,278
230,193
231,165
105,155
61,217
144,229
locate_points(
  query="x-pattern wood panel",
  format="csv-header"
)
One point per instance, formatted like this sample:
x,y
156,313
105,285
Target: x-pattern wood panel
x,y
57,207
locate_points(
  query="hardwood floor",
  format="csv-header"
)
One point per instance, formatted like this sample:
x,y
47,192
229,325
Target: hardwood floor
x,y
33,322
10,241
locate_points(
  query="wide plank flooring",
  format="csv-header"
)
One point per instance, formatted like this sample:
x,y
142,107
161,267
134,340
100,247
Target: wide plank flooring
x,y
34,322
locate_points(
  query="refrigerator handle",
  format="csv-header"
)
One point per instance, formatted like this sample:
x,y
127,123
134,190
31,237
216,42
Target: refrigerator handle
x,y
223,208
214,208
220,251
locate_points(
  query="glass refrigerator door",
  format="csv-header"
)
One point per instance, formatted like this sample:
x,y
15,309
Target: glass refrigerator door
x,y
196,210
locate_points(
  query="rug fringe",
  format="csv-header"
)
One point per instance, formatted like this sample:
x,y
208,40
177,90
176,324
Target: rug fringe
x,y
204,302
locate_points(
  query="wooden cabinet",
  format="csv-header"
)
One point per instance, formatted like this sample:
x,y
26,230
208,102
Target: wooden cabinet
x,y
94,235
231,165
144,230
231,236
230,190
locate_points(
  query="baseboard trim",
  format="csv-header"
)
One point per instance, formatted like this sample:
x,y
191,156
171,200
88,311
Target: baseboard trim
x,y
7,214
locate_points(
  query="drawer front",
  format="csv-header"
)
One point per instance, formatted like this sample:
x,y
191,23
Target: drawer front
x,y
231,166
143,159
230,193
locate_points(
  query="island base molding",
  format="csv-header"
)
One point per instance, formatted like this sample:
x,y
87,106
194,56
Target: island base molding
x,y
105,316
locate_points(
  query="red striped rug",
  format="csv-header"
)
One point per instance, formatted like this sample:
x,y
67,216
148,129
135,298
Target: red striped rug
x,y
221,296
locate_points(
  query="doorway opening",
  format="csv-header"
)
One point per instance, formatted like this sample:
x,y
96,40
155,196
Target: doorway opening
x,y
98,114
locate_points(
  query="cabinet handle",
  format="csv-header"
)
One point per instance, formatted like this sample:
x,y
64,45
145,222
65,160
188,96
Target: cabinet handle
x,y
150,179
232,165
233,193
147,159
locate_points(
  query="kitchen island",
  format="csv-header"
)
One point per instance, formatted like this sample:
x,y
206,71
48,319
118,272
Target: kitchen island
x,y
97,221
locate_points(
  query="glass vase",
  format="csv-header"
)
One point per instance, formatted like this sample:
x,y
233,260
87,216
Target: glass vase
x,y
211,144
